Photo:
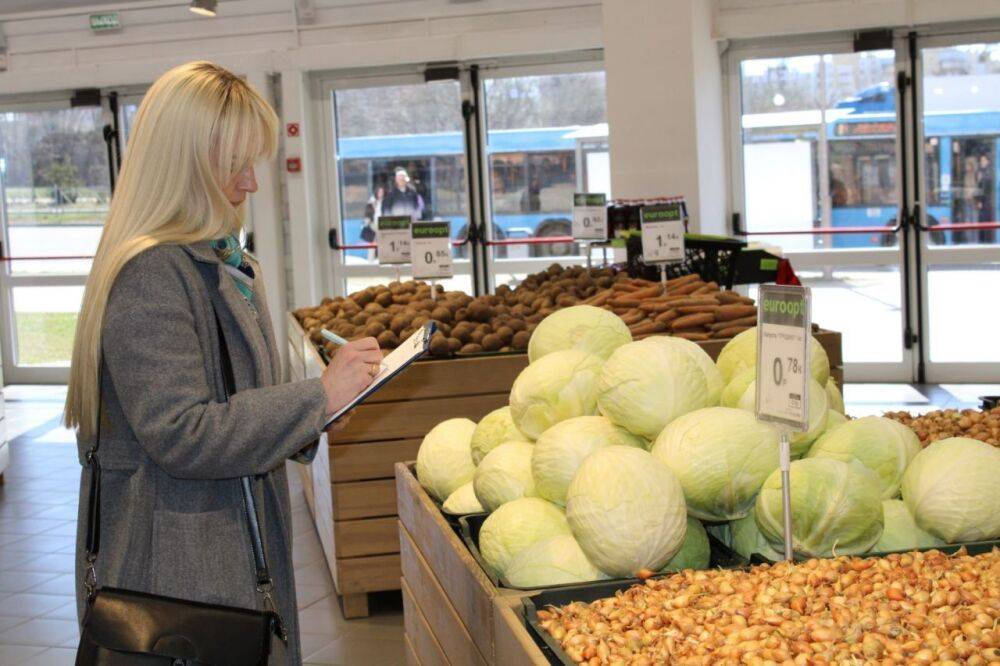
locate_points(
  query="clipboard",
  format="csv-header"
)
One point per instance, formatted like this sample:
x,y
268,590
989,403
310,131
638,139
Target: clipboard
x,y
398,359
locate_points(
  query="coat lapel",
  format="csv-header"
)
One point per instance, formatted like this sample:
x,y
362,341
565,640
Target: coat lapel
x,y
263,313
229,300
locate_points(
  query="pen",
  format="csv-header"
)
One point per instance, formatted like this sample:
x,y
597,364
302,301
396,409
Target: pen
x,y
333,337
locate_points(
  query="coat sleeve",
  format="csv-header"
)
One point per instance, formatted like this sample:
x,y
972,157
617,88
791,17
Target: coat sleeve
x,y
154,355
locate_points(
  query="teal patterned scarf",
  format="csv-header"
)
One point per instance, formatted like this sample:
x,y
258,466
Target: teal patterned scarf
x,y
230,252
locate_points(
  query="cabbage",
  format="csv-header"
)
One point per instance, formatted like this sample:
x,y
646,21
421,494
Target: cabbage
x,y
952,488
834,396
880,444
560,450
558,560
836,508
801,441
646,385
504,475
463,501
736,387
494,429
626,510
901,531
694,552
557,387
444,459
740,353
584,327
721,457
834,419
515,526
747,539
713,378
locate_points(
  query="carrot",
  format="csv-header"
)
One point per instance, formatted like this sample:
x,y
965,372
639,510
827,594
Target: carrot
x,y
647,327
684,279
623,286
688,321
622,302
730,332
735,311
693,335
727,297
666,317
695,309
648,292
600,298
655,306
708,288
687,288
742,321
685,301
633,317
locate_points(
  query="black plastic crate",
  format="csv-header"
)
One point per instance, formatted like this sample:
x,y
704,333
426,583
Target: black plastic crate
x,y
714,258
989,401
720,556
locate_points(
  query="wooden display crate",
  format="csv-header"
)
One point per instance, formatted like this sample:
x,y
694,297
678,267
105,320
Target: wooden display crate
x,y
350,488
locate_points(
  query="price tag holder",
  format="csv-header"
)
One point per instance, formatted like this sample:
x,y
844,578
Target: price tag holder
x,y
662,233
430,250
783,344
394,239
590,217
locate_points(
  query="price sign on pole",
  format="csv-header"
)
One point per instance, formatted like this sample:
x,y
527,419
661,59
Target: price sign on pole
x,y
590,217
662,233
783,376
430,250
394,239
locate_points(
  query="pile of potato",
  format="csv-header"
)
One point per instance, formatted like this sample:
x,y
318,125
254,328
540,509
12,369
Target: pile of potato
x,y
945,423
914,608
503,321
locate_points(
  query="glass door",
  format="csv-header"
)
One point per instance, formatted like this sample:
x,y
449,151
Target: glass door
x,y
816,177
959,124
397,147
55,189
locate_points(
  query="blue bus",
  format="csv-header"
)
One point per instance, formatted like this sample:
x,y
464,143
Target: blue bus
x,y
532,176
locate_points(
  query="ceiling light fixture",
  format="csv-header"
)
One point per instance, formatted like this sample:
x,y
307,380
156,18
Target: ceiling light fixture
x,y
204,7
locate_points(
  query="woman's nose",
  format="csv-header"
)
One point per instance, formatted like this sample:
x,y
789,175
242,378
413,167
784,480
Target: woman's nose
x,y
248,181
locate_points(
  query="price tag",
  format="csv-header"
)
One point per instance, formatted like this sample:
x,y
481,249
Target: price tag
x,y
590,217
662,233
430,250
783,342
394,239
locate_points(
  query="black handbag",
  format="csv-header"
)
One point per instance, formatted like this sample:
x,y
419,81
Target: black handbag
x,y
126,627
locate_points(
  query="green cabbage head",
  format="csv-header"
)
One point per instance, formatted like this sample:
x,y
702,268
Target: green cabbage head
x,y
560,450
463,501
444,459
740,353
504,475
695,551
834,396
515,526
880,444
836,508
747,539
818,410
721,457
626,509
493,430
559,386
952,488
646,385
736,387
901,531
833,420
558,560
584,327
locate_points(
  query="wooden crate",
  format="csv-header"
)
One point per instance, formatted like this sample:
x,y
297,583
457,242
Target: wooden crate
x,y
350,486
512,642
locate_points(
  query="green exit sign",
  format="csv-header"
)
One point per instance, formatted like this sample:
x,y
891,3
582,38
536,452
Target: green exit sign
x,y
105,21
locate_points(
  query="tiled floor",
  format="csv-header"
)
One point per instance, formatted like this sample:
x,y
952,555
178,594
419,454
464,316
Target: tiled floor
x,y
38,522
37,531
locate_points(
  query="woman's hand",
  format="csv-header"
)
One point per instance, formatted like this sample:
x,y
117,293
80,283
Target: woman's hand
x,y
351,371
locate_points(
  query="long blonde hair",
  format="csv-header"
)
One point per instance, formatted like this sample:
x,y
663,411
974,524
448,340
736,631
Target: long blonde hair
x,y
198,127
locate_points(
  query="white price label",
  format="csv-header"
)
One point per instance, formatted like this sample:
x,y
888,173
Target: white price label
x,y
430,250
662,234
590,217
394,240
783,344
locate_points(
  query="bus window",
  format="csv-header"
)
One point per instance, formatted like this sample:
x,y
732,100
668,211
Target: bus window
x,y
862,173
357,187
507,171
448,185
551,182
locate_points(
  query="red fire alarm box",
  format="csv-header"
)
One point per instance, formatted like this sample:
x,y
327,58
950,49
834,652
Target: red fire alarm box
x,y
292,129
293,164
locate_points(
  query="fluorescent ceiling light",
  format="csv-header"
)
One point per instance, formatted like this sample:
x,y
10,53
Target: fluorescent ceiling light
x,y
204,7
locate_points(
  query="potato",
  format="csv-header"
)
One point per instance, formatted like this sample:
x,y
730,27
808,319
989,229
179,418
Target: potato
x,y
360,319
565,301
492,342
454,344
441,313
439,345
387,340
373,308
419,321
444,327
374,329
516,324
476,337
363,298
384,298
479,311
350,308
471,349
520,340
401,321
383,318
505,333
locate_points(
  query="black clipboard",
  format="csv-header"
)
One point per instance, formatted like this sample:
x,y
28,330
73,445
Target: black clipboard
x,y
395,362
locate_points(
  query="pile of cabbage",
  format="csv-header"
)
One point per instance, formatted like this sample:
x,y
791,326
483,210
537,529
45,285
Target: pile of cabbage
x,y
611,454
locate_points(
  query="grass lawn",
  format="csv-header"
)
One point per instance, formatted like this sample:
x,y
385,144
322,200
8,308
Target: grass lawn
x,y
45,338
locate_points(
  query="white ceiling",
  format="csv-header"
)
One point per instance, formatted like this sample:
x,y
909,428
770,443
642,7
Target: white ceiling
x,y
19,6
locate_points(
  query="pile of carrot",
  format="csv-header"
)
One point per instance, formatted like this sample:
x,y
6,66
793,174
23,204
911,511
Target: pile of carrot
x,y
688,308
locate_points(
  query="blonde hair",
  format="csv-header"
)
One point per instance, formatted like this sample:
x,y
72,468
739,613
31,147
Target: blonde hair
x,y
199,126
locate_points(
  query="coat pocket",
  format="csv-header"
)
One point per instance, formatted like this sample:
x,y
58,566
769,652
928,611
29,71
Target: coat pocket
x,y
202,557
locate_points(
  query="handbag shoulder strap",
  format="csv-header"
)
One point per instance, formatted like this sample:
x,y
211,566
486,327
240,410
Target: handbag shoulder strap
x,y
264,583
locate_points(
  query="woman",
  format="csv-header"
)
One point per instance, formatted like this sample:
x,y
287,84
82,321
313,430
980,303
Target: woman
x,y
146,356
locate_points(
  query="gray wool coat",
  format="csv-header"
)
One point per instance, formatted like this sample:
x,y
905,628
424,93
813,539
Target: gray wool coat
x,y
172,450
